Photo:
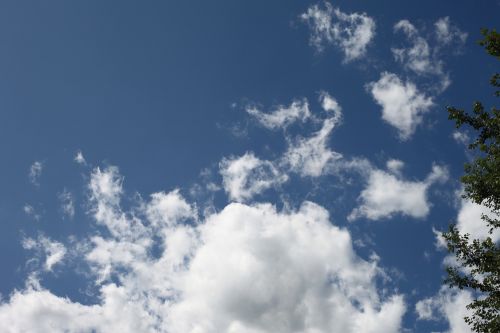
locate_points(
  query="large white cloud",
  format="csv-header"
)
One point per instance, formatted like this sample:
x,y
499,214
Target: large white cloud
x,y
248,268
403,105
259,270
352,33
387,193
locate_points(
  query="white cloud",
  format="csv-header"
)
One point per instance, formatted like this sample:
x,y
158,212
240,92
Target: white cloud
x,y
418,57
403,105
39,311
53,251
352,33
387,194
469,221
263,271
67,203
449,304
461,137
35,172
246,176
330,105
311,156
168,209
79,158
105,192
423,58
395,166
248,268
282,116
447,33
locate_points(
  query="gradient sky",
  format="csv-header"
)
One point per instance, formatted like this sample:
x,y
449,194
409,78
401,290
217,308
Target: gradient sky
x,y
231,166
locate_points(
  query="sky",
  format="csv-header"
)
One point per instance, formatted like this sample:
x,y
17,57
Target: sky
x,y
235,166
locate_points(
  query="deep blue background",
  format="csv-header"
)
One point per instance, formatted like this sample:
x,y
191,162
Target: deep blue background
x,y
149,86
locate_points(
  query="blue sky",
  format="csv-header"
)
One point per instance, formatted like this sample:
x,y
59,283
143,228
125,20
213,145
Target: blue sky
x,y
235,166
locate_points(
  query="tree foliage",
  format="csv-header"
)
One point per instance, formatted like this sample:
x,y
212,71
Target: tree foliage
x,y
479,259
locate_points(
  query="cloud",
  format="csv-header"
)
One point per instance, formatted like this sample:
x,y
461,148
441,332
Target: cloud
x,y
311,157
246,176
282,116
264,271
461,137
425,59
247,268
469,221
418,56
403,105
30,211
352,33
53,251
448,33
39,311
448,304
35,172
387,193
79,158
67,203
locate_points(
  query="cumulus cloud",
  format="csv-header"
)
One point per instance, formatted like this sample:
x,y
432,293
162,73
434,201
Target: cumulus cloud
x,y
35,172
282,116
247,268
448,304
352,33
387,193
403,105
246,176
469,220
277,266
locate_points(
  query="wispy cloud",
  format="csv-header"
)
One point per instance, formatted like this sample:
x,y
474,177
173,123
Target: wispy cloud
x,y
67,203
35,172
352,32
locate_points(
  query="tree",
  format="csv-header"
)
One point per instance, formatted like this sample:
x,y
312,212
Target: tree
x,y
479,259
